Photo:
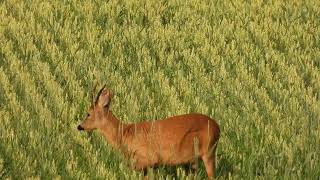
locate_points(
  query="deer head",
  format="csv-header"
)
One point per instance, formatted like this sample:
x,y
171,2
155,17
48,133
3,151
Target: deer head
x,y
97,113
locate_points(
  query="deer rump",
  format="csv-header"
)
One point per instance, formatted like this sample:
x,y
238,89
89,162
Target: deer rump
x,y
172,141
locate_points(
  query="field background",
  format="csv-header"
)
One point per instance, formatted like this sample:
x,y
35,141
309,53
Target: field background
x,y
252,65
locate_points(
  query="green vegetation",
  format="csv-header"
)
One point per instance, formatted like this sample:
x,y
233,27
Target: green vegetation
x,y
253,66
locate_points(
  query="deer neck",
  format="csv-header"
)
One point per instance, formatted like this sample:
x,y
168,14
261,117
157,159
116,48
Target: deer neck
x,y
111,128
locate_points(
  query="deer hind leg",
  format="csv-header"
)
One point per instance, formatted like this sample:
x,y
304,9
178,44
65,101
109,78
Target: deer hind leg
x,y
142,169
209,163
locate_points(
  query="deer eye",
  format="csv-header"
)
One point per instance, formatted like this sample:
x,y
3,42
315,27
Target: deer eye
x,y
88,115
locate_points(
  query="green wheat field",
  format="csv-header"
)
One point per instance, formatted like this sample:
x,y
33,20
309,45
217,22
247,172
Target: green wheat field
x,y
254,66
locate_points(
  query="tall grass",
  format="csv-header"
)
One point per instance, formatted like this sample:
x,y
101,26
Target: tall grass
x,y
253,66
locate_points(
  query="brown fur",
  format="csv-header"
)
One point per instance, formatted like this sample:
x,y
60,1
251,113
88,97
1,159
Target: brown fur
x,y
171,141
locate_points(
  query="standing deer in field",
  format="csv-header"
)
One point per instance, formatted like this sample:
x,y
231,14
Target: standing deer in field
x,y
172,141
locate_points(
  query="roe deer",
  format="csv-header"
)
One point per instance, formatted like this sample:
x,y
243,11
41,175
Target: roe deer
x,y
171,141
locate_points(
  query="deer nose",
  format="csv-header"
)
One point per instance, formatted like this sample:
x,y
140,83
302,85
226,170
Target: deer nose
x,y
80,128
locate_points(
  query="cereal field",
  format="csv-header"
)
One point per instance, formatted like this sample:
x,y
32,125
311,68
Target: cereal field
x,y
254,66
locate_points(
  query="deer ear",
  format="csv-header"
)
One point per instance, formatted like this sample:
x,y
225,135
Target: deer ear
x,y
104,98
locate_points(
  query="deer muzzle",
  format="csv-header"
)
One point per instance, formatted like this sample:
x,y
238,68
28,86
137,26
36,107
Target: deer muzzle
x,y
80,128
